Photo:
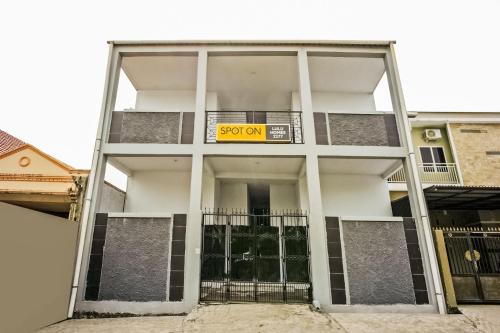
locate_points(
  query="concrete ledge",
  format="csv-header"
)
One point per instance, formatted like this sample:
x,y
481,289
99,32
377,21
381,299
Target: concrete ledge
x,y
141,308
392,308
372,218
134,214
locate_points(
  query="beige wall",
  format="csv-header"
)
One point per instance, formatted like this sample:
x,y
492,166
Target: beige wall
x,y
472,142
37,252
39,165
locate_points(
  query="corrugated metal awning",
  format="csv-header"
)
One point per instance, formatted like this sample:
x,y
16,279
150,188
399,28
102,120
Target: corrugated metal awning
x,y
462,197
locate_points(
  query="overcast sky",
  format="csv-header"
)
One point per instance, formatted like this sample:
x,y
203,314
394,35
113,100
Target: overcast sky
x,y
53,53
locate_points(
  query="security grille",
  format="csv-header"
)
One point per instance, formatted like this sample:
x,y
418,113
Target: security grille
x,y
255,258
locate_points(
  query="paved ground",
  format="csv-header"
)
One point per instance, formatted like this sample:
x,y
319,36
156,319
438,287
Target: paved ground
x,y
243,318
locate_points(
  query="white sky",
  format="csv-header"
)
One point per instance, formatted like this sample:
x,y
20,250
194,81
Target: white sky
x,y
53,53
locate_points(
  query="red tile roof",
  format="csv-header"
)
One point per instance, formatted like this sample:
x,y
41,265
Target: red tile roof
x,y
9,143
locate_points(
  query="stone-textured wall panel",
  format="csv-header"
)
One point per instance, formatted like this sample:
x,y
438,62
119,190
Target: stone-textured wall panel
x,y
362,130
150,127
135,262
320,128
334,246
378,266
478,152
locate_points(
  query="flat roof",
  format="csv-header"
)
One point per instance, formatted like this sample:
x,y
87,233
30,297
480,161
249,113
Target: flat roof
x,y
226,42
427,118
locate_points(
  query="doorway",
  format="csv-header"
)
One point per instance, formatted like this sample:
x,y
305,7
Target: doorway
x,y
258,196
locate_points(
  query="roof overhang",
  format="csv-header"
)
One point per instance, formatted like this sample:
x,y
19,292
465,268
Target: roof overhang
x,y
372,43
441,197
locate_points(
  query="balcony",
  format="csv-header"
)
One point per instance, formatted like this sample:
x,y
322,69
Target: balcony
x,y
267,122
430,173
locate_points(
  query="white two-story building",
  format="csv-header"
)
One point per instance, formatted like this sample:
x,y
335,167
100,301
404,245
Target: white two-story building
x,y
256,172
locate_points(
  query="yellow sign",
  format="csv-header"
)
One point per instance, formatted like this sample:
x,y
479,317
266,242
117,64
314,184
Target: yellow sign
x,y
241,132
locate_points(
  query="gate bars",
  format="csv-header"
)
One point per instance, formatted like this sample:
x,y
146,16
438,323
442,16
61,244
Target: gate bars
x,y
260,257
474,261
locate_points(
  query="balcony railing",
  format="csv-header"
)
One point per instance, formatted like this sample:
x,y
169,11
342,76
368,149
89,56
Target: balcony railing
x,y
292,118
430,173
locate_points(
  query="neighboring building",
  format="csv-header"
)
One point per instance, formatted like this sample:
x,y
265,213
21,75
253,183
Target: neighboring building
x,y
459,156
464,151
256,172
33,179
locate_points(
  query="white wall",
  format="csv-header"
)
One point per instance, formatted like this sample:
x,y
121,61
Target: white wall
x,y
172,100
303,198
354,195
342,102
283,196
296,105
166,100
233,195
158,191
212,101
208,191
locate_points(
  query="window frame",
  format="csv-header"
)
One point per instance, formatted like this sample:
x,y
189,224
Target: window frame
x,y
433,167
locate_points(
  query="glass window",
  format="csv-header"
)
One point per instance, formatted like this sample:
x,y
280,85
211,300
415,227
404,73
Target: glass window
x,y
438,154
426,154
433,159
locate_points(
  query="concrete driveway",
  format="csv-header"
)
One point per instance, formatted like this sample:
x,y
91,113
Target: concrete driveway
x,y
243,318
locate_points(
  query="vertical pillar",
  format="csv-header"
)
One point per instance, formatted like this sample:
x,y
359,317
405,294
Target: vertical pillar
x,y
415,192
96,179
193,228
317,231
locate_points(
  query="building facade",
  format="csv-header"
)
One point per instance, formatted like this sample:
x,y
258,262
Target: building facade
x,y
462,157
458,159
464,152
256,171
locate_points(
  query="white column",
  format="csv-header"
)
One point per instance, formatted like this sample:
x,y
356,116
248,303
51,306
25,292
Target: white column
x,y
317,232
95,181
415,192
193,228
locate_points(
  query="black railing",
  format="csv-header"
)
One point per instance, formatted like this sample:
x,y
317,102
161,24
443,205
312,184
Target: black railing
x,y
292,118
255,258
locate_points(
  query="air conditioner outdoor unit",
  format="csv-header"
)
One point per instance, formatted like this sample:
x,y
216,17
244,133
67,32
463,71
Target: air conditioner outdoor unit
x,y
432,134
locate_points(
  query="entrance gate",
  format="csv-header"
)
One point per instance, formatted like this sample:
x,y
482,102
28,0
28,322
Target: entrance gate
x,y
474,258
255,258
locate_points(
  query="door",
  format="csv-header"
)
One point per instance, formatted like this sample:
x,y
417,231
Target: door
x,y
255,258
266,243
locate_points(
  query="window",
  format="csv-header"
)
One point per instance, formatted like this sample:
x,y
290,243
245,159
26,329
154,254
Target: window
x,y
433,159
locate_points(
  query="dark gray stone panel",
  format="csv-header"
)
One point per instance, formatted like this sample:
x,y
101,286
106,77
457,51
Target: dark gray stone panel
x,y
320,128
392,130
96,254
378,266
337,283
358,129
187,127
416,266
150,127
135,259
176,288
116,127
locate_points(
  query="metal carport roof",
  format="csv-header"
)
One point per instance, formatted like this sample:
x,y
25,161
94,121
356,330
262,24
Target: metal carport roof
x,y
449,197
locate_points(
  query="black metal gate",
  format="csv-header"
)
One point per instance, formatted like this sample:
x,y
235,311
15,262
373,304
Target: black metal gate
x,y
474,257
255,258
